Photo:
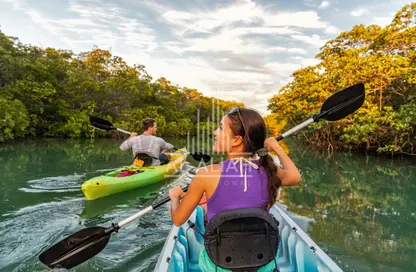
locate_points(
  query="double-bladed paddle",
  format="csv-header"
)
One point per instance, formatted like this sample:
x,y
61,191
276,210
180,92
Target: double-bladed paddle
x,y
88,242
105,125
336,107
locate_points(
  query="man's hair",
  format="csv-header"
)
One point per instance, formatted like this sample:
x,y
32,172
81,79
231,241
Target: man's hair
x,y
148,123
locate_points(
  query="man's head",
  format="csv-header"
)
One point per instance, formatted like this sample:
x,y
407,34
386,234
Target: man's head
x,y
149,125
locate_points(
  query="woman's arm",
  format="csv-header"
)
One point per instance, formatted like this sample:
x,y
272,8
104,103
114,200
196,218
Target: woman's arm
x,y
289,174
181,210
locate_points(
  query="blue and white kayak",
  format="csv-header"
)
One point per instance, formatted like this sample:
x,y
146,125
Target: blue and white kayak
x,y
297,251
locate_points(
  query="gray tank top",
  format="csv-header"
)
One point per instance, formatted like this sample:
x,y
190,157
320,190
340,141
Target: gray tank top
x,y
149,144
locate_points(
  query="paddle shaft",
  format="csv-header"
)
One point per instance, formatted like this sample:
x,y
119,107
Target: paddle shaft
x,y
146,210
124,131
294,129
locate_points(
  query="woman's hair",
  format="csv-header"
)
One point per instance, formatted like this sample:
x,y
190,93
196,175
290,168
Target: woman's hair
x,y
256,130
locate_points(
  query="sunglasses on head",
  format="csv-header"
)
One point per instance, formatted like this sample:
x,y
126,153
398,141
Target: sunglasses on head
x,y
237,109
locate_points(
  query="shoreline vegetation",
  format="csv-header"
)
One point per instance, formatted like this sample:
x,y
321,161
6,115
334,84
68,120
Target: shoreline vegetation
x,y
47,92
384,59
52,93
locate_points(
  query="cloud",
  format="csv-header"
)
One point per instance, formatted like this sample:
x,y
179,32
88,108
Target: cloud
x,y
285,70
242,11
314,40
103,25
332,30
305,19
17,4
254,94
383,21
225,27
236,45
324,4
229,61
245,49
359,12
306,61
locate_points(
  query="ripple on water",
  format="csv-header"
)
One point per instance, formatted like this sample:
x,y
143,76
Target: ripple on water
x,y
106,170
59,184
32,229
27,232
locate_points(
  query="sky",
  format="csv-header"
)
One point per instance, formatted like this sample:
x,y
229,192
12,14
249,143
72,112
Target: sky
x,y
235,50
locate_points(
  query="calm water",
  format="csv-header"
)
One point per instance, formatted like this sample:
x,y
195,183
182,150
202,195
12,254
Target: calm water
x,y
360,209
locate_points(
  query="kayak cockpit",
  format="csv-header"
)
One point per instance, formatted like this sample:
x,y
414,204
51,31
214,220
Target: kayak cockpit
x,y
297,251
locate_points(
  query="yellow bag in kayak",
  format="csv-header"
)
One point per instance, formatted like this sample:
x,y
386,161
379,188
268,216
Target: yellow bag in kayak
x,y
138,162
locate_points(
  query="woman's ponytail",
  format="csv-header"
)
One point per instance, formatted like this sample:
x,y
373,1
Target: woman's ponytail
x,y
273,180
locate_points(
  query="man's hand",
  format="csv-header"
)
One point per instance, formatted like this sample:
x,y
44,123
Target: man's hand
x,y
133,134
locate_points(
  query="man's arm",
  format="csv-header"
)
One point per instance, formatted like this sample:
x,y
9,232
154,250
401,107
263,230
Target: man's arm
x,y
126,145
164,145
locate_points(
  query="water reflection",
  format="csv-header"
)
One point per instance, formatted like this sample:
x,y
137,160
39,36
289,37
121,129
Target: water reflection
x,y
363,208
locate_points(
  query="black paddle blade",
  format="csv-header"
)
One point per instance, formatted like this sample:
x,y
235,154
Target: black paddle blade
x,y
76,248
206,158
196,156
343,103
201,156
101,123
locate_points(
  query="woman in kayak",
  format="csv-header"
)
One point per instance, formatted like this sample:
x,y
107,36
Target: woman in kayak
x,y
248,178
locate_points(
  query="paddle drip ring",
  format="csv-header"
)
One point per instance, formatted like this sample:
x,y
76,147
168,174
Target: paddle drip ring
x,y
262,152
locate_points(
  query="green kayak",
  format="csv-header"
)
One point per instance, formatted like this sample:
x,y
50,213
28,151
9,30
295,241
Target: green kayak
x,y
297,251
109,184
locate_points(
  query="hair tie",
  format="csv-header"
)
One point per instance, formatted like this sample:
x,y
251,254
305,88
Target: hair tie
x,y
262,152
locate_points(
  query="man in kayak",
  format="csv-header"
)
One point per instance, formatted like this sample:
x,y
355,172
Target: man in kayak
x,y
247,179
148,143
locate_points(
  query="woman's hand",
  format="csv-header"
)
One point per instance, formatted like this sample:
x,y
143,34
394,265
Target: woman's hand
x,y
176,193
271,144
289,175
182,205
